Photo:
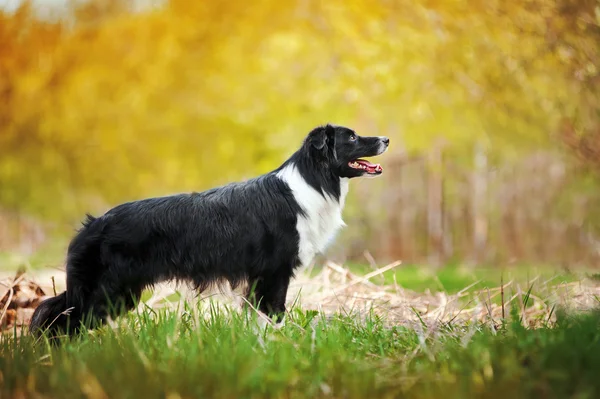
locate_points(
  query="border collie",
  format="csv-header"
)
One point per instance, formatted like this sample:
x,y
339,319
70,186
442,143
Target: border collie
x,y
256,232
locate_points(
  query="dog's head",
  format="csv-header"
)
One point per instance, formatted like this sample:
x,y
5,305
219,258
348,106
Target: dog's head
x,y
342,149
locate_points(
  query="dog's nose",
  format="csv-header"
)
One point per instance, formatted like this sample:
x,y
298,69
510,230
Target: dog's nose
x,y
385,140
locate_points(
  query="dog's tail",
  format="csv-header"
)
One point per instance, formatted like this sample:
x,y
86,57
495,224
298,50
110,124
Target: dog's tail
x,y
50,315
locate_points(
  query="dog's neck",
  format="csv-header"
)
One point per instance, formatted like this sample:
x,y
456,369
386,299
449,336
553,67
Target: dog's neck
x,y
316,174
321,216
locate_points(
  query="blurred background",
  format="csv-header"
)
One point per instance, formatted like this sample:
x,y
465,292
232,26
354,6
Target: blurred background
x,y
493,108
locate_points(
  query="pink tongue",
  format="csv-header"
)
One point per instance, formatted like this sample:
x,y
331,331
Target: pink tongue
x,y
367,164
370,166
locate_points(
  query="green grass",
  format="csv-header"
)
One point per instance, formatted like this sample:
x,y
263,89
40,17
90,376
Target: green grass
x,y
454,278
161,354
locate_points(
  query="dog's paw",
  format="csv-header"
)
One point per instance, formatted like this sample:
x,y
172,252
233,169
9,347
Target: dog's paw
x,y
279,325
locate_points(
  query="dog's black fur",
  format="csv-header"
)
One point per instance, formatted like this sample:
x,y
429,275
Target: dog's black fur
x,y
241,232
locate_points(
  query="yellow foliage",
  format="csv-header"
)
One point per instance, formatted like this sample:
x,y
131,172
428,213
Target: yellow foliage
x,y
111,104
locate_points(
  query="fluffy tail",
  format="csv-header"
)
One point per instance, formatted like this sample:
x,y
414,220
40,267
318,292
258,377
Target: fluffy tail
x,y
51,315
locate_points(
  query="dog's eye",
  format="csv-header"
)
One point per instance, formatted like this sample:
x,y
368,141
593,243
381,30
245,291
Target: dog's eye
x,y
352,137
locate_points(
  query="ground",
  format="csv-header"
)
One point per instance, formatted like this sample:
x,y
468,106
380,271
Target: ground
x,y
352,331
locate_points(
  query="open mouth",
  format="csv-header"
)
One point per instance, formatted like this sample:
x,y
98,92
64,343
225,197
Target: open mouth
x,y
371,168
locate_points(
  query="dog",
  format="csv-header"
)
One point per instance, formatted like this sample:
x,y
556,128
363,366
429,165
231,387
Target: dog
x,y
256,232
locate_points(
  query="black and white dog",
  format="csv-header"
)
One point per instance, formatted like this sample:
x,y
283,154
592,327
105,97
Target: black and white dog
x,y
256,232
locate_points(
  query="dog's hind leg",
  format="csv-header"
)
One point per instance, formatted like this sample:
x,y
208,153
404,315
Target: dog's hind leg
x,y
119,291
62,313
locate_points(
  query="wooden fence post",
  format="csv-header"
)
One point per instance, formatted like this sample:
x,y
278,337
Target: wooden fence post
x,y
435,206
479,204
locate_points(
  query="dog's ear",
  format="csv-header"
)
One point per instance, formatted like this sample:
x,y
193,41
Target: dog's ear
x,y
321,136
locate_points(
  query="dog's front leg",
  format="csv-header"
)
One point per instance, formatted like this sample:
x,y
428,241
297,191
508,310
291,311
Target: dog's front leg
x,y
270,292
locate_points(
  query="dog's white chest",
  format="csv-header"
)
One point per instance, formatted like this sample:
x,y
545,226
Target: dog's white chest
x,y
323,214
